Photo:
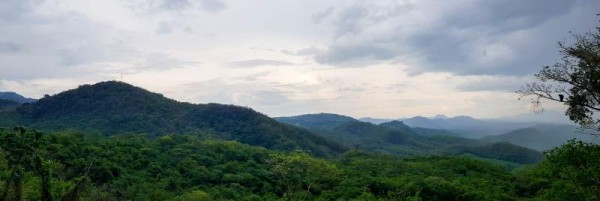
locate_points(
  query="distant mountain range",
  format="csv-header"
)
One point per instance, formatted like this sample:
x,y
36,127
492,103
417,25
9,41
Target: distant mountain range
x,y
115,107
544,136
11,100
465,126
397,138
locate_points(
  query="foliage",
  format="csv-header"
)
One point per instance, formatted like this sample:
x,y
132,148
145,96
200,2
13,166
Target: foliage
x,y
298,173
575,80
573,170
188,167
398,139
506,152
7,105
114,107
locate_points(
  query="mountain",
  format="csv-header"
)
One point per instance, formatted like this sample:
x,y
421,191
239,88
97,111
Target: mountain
x,y
15,97
316,121
374,120
503,151
543,136
440,116
434,132
7,105
465,126
399,126
397,138
115,107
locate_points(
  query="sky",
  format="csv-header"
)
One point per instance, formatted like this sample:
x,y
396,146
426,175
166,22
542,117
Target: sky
x,y
384,58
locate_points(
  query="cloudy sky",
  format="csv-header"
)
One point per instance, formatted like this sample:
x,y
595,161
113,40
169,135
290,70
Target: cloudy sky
x,y
384,58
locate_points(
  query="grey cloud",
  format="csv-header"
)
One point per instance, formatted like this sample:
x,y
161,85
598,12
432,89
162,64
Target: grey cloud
x,y
175,4
240,93
475,37
207,5
15,10
178,6
355,55
498,83
164,28
318,17
67,45
9,47
212,5
309,51
159,62
260,62
506,15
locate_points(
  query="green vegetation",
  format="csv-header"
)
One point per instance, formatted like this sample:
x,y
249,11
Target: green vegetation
x,y
8,105
112,107
72,166
398,139
114,141
506,152
574,80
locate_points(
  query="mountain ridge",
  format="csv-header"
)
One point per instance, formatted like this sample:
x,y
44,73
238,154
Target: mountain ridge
x,y
13,96
114,107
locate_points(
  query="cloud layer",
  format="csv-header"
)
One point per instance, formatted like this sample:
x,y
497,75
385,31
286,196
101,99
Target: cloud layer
x,y
384,58
466,37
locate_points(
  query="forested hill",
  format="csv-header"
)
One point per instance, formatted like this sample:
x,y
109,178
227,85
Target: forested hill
x,y
115,107
317,121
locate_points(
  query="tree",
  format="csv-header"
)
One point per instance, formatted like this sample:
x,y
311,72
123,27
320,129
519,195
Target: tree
x,y
22,148
573,170
299,173
574,80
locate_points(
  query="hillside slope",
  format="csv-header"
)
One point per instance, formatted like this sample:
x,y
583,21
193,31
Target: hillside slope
x,y
116,107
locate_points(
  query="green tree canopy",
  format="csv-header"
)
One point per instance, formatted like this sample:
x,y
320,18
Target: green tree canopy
x,y
574,80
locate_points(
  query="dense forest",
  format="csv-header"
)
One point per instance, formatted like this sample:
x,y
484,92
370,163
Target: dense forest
x,y
78,166
396,138
112,107
114,141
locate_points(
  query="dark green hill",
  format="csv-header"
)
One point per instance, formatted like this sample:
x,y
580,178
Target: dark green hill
x,y
116,107
504,151
399,126
397,138
390,138
316,121
7,105
434,132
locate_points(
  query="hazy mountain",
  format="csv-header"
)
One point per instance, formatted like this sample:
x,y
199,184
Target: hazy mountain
x,y
465,126
399,126
15,97
397,138
440,116
544,136
434,132
116,107
316,121
374,120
